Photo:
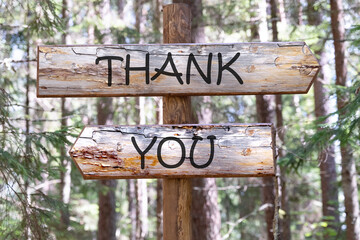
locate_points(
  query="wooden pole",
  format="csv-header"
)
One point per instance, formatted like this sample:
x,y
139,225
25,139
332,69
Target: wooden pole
x,y
177,110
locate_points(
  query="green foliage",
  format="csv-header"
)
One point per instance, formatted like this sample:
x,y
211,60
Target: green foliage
x,y
319,135
41,17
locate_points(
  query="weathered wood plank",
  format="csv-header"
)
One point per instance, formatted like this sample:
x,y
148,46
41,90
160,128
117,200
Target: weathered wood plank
x,y
238,150
71,71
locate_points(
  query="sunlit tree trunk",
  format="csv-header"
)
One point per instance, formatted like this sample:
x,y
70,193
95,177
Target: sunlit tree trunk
x,y
159,210
141,209
27,211
328,176
131,197
329,189
265,114
141,184
159,120
348,166
65,174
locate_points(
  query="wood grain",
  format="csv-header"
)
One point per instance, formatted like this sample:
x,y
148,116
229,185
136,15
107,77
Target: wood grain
x,y
177,192
240,150
278,68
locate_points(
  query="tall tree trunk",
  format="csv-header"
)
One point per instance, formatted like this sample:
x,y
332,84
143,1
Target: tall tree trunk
x,y
348,171
328,176
299,12
156,23
27,211
205,211
107,213
141,184
159,210
141,209
282,11
159,119
131,196
206,220
121,5
65,175
265,112
326,158
285,222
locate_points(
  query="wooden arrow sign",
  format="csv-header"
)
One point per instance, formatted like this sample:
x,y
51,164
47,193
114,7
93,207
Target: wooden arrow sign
x,y
175,69
163,151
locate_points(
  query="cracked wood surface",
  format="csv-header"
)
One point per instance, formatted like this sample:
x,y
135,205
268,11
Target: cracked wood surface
x,y
278,68
240,150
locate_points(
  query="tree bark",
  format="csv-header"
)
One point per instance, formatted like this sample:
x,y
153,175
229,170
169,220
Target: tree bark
x,y
156,24
107,213
177,192
159,210
65,174
285,222
141,209
326,158
131,196
348,171
265,112
121,5
206,220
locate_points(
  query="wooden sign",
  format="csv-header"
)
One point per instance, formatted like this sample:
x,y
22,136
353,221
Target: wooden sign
x,y
175,69
173,151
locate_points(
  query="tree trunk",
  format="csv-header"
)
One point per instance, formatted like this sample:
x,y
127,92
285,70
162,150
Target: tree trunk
x,y
131,196
328,176
65,175
197,28
285,222
156,23
265,112
205,211
299,13
107,213
326,158
121,5
159,210
348,171
206,220
141,184
27,212
141,209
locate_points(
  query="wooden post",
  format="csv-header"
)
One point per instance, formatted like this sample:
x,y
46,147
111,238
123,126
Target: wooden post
x,y
177,110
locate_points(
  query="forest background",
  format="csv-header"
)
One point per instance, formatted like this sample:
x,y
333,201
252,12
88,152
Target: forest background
x,y
43,195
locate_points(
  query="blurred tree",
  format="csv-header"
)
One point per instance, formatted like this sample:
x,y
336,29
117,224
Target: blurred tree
x,y
107,213
65,174
206,220
348,171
